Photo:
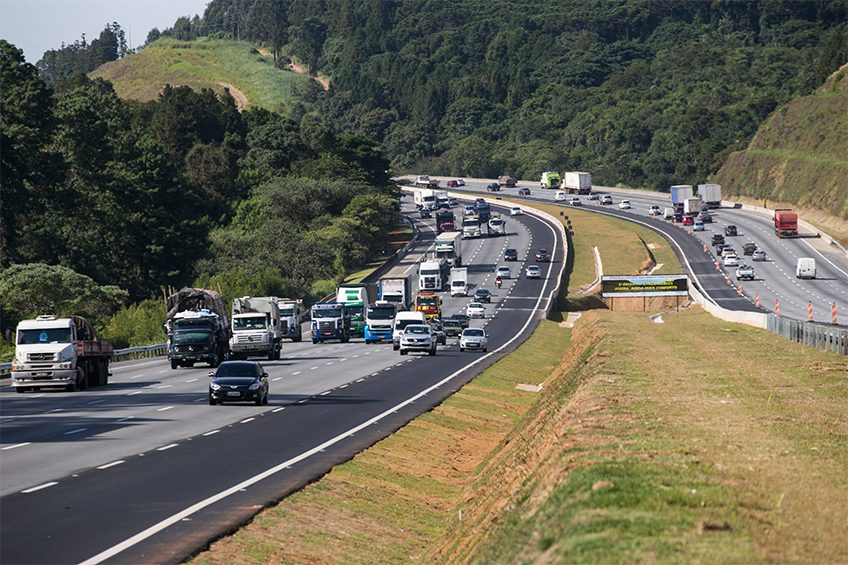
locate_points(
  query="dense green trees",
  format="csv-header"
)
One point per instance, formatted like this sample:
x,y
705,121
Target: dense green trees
x,y
648,92
80,56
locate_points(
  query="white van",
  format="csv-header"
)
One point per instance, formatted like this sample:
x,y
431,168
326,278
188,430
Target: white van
x,y
560,195
402,320
805,268
668,213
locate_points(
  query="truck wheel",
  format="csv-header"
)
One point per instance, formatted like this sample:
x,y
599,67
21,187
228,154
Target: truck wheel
x,y
21,389
403,352
346,339
271,355
395,347
174,364
214,362
314,341
432,352
297,338
278,353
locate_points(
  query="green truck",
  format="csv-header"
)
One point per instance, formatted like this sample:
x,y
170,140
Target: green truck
x,y
356,297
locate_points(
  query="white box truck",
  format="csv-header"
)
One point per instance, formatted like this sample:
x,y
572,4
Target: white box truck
x,y
432,274
395,289
691,206
424,198
805,268
679,193
576,182
710,195
459,281
449,247
256,327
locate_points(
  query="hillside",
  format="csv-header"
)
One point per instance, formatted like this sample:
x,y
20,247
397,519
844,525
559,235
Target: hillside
x,y
800,154
251,77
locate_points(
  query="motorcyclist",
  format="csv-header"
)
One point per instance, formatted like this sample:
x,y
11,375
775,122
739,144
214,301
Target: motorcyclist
x,y
498,281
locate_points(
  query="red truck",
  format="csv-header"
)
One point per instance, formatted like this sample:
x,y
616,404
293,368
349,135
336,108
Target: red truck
x,y
785,223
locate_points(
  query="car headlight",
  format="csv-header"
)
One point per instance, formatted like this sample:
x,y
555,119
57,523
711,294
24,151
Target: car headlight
x,y
214,386
255,385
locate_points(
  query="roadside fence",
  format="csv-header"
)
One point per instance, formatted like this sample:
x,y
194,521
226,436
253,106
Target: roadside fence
x,y
811,334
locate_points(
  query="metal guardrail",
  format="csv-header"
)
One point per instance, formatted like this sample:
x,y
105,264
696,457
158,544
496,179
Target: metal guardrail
x,y
811,334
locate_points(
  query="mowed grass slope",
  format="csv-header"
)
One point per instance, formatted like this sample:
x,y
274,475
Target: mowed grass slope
x,y
203,64
645,445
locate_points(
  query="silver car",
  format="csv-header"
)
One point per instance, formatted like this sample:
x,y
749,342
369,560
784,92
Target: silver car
x,y
533,272
474,339
418,337
758,255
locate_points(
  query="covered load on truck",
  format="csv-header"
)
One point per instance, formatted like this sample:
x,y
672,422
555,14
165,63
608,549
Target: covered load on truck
x,y
785,223
710,195
445,221
679,193
459,281
59,352
256,327
550,180
395,289
356,296
576,182
691,206
449,247
197,327
507,181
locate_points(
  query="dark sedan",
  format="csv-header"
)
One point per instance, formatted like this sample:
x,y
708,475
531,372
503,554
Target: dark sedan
x,y
543,255
239,381
461,318
452,327
510,254
482,295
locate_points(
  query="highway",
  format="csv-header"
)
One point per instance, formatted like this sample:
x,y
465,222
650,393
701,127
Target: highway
x,y
145,471
774,279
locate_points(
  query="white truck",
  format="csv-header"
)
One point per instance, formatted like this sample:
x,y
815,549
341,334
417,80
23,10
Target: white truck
x,y
59,352
576,182
470,226
449,247
679,193
459,281
425,199
395,289
431,274
256,327
422,181
691,206
442,199
497,226
292,317
805,268
403,319
710,195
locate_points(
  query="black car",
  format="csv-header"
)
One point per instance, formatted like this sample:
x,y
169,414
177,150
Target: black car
x,y
482,295
493,187
461,318
749,248
523,192
677,218
543,256
510,254
239,381
718,239
730,229
452,327
425,212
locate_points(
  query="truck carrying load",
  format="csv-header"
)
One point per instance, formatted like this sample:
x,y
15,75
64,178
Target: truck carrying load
x,y
785,223
428,304
59,352
576,182
395,289
691,206
550,180
710,195
292,316
459,281
445,221
507,181
197,327
449,247
432,274
424,198
681,192
256,327
355,297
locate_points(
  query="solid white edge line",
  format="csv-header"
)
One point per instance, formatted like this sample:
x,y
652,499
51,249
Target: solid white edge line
x,y
112,464
166,447
194,508
39,487
212,433
8,447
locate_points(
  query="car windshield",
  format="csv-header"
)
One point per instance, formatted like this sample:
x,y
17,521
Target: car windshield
x,y
416,329
354,310
510,251
476,305
252,323
327,313
543,251
381,312
482,292
191,336
287,311
451,323
239,369
44,335
473,332
426,300
503,270
401,324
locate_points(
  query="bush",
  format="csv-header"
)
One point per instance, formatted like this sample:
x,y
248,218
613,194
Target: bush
x,y
136,325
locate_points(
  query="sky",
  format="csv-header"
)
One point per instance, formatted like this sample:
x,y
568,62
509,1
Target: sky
x,y
37,26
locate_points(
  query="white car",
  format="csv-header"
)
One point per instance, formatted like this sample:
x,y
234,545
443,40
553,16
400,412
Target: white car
x,y
515,211
606,199
533,272
474,338
504,273
418,337
698,225
475,310
624,204
731,261
575,202
460,182
560,195
744,272
654,210
727,251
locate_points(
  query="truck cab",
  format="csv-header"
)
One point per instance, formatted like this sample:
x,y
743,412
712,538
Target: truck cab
x,y
196,336
459,281
428,304
550,180
292,315
256,327
470,226
497,226
330,321
356,297
379,321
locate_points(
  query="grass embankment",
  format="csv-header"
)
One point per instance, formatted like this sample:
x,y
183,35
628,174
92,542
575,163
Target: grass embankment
x,y
798,156
204,64
643,446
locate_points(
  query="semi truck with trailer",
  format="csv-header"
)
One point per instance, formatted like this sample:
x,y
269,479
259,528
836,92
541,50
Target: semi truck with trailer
x,y
691,206
356,296
507,181
197,327
576,182
710,195
449,247
330,321
550,180
379,321
785,223
52,352
679,193
395,289
257,330
432,274
292,316
445,221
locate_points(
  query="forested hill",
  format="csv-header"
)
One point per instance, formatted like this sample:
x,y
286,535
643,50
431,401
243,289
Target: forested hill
x,y
800,155
641,92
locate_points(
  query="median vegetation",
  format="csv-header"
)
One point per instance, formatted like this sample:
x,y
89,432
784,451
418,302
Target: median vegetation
x,y
642,445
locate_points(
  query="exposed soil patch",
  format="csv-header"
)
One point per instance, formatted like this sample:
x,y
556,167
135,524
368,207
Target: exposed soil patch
x,y
325,84
239,96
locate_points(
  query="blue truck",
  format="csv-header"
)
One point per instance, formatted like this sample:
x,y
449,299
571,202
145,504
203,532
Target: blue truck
x,y
330,320
379,321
